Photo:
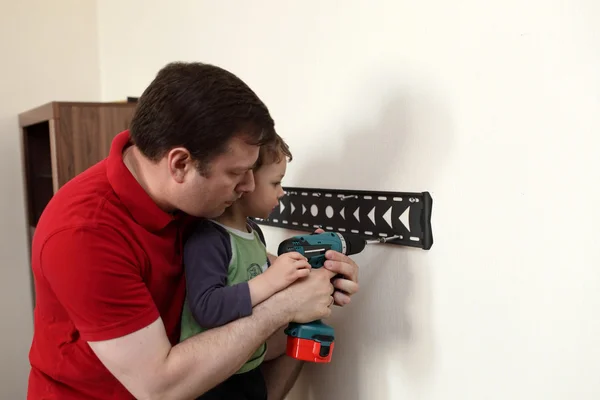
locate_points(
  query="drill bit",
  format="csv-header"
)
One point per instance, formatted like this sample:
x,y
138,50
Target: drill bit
x,y
382,239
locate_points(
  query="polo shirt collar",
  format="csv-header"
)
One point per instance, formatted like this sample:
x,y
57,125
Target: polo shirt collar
x,y
133,196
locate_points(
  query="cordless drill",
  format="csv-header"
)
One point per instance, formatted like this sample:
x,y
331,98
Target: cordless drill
x,y
314,341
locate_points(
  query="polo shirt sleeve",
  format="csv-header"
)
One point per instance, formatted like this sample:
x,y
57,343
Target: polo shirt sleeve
x,y
96,277
207,255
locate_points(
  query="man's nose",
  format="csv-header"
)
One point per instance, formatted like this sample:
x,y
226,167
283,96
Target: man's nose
x,y
247,184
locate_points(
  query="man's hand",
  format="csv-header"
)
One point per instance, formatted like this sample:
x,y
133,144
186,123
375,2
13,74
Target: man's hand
x,y
282,273
309,298
347,284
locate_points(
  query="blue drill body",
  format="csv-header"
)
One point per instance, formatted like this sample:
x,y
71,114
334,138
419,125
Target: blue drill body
x,y
314,246
314,341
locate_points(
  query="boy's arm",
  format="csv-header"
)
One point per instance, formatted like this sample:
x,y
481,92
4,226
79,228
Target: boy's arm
x,y
261,287
207,255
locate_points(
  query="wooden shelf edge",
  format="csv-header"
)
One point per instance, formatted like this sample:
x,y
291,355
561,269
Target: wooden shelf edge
x,y
36,115
95,104
50,110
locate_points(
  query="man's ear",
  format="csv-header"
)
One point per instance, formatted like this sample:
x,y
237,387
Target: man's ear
x,y
180,163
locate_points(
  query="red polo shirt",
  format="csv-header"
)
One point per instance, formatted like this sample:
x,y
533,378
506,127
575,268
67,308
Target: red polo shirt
x,y
107,262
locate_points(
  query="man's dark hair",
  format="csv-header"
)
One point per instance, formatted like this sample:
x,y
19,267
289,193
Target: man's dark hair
x,y
200,107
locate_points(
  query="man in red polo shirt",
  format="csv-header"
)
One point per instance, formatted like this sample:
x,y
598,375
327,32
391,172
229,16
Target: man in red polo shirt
x,y
107,252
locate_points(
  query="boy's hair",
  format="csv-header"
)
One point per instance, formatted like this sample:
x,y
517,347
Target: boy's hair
x,y
200,107
273,152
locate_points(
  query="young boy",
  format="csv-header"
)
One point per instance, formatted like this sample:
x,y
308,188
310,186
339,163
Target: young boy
x,y
228,271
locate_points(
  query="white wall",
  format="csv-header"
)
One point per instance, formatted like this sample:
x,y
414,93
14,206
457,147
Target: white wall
x,y
48,51
492,108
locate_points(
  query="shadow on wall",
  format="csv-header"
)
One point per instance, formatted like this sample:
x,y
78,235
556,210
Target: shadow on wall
x,y
386,331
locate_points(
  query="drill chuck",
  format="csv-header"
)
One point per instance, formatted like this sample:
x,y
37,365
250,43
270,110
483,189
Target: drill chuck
x,y
354,244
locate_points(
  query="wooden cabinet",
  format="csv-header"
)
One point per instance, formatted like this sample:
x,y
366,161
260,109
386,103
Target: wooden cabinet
x,y
61,140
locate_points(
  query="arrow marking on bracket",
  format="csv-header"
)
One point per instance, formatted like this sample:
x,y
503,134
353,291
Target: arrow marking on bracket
x,y
281,208
388,216
404,218
356,214
303,209
372,215
293,208
342,212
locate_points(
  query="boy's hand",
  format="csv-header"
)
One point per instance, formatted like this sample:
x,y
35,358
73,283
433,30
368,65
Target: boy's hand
x,y
284,271
288,268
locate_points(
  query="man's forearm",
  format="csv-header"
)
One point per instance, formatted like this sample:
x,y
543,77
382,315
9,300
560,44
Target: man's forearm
x,y
146,363
203,361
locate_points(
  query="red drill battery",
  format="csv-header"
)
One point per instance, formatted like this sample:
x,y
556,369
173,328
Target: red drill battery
x,y
312,342
309,350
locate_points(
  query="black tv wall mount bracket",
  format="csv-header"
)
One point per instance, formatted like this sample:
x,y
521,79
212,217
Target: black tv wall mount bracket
x,y
403,217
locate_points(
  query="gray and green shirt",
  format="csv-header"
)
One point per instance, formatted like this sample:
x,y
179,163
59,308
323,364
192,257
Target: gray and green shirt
x,y
219,261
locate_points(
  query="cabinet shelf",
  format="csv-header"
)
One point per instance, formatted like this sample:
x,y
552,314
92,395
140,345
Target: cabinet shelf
x,y
61,140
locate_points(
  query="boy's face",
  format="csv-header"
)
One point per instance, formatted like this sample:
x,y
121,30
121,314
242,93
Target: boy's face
x,y
267,191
